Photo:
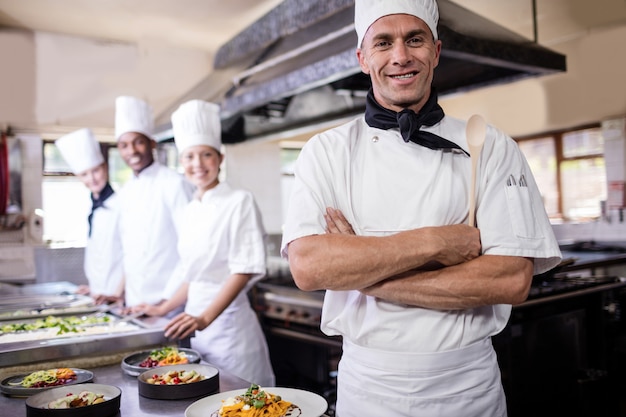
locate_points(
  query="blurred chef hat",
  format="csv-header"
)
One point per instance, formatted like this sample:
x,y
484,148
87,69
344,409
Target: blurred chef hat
x,y
133,115
197,122
367,12
81,150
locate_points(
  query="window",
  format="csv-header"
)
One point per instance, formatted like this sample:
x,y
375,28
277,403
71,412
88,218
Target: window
x,y
570,172
66,201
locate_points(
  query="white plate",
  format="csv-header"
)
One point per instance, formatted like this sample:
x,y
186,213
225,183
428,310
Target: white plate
x,y
311,404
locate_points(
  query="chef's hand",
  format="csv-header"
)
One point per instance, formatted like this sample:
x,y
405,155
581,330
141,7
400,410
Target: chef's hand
x,y
82,290
183,326
108,299
337,223
146,309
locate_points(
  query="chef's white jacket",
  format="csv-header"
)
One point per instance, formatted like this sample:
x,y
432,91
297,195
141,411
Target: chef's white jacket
x,y
222,235
103,251
151,203
402,360
383,186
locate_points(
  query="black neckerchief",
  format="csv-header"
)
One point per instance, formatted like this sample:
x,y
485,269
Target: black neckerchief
x,y
410,123
106,192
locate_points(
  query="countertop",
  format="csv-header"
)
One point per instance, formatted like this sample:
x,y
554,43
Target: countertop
x,y
132,404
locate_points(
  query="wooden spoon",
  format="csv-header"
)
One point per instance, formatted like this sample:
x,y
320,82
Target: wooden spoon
x,y
475,133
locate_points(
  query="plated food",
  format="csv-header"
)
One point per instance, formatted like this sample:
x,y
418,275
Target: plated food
x,y
82,399
257,402
137,363
175,377
175,382
26,384
46,378
164,356
305,404
93,400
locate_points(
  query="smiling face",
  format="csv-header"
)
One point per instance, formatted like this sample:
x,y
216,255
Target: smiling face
x,y
400,55
201,164
95,178
136,150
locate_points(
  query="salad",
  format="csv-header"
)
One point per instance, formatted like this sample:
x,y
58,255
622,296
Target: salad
x,y
47,378
175,378
164,356
77,400
71,324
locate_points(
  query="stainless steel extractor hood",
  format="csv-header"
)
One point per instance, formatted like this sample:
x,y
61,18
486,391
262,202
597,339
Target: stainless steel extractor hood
x,y
297,66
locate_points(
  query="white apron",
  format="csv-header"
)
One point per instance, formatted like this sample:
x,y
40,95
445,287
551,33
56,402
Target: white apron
x,y
463,382
234,342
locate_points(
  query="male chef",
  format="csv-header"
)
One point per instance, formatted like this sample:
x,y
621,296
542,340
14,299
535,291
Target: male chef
x,y
103,254
415,292
150,204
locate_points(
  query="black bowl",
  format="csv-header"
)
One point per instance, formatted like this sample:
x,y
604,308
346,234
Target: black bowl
x,y
37,405
209,385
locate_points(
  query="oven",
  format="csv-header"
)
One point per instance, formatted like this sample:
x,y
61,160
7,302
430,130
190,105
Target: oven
x,y
302,356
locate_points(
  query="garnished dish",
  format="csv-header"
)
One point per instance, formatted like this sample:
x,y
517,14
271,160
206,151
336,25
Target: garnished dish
x,y
27,384
137,363
167,355
93,400
257,402
82,399
176,377
269,401
47,378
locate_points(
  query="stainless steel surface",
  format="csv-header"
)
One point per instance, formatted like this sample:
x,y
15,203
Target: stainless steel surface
x,y
150,334
145,332
296,65
291,305
132,404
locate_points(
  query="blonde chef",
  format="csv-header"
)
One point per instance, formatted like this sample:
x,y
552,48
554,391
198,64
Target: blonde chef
x,y
222,249
103,254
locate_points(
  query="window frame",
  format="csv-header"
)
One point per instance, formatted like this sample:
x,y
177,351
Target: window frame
x,y
558,135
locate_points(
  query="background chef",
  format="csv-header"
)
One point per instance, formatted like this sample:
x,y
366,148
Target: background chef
x,y
222,248
103,254
150,205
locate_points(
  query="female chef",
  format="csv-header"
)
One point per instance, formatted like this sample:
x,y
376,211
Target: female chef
x,y
222,250
103,259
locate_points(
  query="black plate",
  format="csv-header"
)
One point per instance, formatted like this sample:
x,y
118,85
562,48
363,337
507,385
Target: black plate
x,y
130,364
19,391
209,385
36,406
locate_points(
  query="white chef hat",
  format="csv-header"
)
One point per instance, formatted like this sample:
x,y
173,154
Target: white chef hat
x,y
367,12
197,122
133,115
81,150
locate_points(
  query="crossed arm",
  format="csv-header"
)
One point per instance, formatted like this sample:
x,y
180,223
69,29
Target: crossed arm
x,y
432,267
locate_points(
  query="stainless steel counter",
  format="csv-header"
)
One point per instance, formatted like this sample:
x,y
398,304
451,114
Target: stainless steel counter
x,y
132,404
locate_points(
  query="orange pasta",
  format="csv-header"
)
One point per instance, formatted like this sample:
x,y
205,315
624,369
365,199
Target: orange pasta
x,y
256,403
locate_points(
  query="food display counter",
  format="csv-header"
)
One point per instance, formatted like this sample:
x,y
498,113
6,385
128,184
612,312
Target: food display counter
x,y
99,332
132,404
98,348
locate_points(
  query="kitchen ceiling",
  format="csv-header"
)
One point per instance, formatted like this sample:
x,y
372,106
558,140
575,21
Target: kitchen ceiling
x,y
210,24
